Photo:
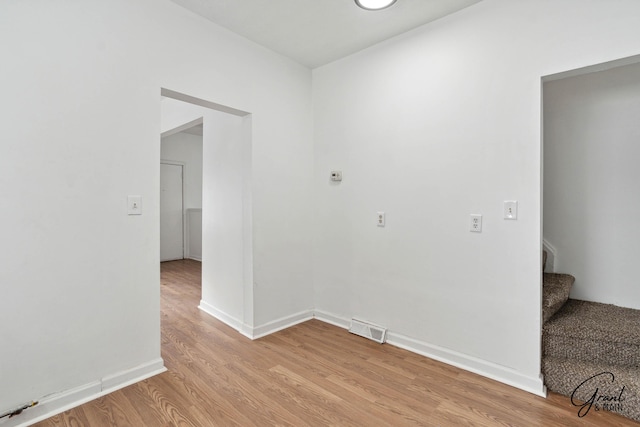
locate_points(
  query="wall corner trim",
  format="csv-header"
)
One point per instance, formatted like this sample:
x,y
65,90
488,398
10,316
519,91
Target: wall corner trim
x,y
331,318
256,332
282,323
227,319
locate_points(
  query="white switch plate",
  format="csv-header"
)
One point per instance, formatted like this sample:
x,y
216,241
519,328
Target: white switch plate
x,y
134,205
476,223
380,219
336,176
510,209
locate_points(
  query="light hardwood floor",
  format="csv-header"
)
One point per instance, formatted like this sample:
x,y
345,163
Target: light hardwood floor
x,y
312,374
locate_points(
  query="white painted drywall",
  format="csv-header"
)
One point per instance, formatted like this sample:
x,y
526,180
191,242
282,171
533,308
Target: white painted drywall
x,y
437,124
178,116
591,176
193,247
81,131
186,149
227,170
172,219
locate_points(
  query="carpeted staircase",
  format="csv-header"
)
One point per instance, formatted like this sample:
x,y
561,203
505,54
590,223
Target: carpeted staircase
x,y
590,351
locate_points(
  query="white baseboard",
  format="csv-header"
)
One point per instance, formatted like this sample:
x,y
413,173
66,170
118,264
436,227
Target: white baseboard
x,y
68,399
503,374
195,258
534,385
258,331
332,319
226,319
131,376
283,323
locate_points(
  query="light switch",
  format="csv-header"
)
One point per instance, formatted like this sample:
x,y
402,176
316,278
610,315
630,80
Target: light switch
x,y
510,209
134,205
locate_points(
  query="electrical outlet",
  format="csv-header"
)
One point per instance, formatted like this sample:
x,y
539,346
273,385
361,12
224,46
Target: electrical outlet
x,y
381,219
476,223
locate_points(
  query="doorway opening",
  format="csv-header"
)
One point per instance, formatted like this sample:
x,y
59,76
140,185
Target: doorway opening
x,y
590,296
216,212
590,153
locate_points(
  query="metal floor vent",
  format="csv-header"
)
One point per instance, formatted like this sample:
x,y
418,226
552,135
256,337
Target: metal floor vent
x,y
367,330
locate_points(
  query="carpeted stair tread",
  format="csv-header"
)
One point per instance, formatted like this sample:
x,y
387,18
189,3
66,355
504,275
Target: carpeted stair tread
x,y
564,376
596,321
555,292
590,346
595,332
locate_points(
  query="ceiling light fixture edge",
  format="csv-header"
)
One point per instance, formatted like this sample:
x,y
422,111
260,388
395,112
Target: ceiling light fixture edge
x,y
374,4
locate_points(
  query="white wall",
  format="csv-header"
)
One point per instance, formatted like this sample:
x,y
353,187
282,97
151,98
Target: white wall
x,y
187,149
430,127
193,248
227,269
591,175
426,127
177,115
80,132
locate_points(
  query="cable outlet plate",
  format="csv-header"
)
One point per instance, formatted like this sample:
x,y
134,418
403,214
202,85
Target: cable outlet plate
x,y
475,224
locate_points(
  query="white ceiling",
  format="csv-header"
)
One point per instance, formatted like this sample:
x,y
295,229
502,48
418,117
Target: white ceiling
x,y
316,32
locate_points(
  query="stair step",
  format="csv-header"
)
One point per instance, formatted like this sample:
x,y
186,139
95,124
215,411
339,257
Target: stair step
x,y
582,379
555,292
594,332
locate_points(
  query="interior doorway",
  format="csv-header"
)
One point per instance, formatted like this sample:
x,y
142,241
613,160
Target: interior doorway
x,y
225,212
590,172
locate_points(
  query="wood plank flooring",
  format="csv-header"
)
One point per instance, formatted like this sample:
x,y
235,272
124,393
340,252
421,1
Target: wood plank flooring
x,y
312,374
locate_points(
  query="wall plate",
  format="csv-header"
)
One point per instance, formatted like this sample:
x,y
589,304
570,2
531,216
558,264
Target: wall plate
x,y
134,205
475,224
510,209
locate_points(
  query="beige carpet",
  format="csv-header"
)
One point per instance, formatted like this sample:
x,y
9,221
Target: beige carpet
x,y
591,352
